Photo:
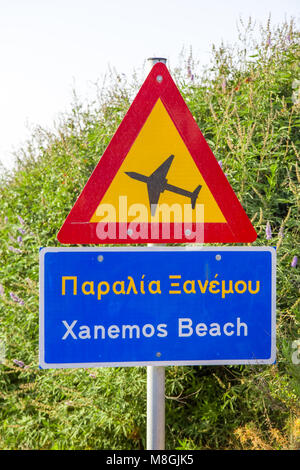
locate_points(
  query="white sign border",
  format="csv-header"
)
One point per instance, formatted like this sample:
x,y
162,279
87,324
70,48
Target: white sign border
x,y
86,365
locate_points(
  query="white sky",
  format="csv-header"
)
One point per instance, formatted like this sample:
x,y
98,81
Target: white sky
x,y
50,47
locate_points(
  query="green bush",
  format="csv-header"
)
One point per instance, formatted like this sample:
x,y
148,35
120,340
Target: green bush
x,y
246,104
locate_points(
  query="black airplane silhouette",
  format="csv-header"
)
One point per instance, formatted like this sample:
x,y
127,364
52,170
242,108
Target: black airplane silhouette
x,y
157,183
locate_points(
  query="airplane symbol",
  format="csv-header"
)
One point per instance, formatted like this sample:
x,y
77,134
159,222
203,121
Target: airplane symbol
x,y
157,183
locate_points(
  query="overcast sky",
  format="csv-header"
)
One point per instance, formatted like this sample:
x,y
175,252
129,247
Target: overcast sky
x,y
50,47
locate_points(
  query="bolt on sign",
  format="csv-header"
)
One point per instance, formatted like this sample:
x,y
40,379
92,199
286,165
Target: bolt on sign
x,y
157,181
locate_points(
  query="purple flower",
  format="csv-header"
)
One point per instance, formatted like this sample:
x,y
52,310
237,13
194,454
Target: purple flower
x,y
5,219
21,230
20,240
18,363
14,250
16,299
280,233
223,85
21,220
294,261
189,67
268,231
190,73
1,290
220,163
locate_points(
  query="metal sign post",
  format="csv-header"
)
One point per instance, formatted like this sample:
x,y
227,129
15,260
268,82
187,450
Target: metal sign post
x,y
199,306
155,408
155,397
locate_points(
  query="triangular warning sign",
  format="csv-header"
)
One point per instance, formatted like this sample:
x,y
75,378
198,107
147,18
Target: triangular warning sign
x,y
158,181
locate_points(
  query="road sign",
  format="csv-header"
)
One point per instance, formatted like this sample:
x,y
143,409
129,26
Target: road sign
x,y
156,306
158,181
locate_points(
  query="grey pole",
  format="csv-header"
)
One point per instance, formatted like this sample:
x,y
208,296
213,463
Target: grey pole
x,y
155,378
155,408
153,60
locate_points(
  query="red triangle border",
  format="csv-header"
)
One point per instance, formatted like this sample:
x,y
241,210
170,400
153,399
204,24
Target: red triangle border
x,y
78,230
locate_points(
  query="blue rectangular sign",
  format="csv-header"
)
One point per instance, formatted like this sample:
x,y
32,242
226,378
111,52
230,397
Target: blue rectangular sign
x,y
157,306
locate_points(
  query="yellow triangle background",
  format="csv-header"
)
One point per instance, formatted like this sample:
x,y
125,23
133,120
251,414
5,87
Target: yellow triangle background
x,y
157,140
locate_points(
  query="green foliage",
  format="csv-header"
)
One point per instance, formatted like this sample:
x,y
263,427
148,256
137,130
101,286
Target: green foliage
x,y
247,106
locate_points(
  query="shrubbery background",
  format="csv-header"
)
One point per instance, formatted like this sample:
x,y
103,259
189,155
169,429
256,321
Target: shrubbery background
x,y
246,104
